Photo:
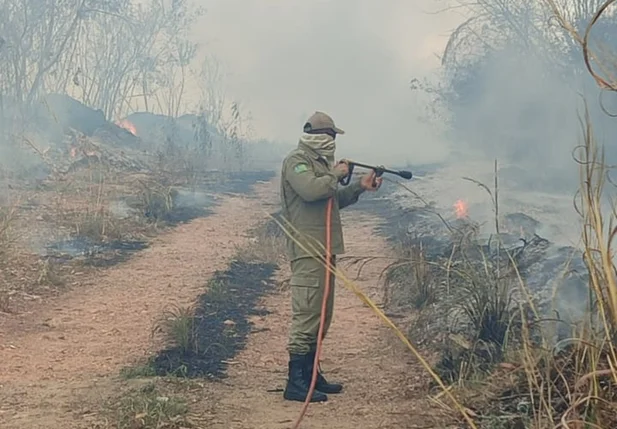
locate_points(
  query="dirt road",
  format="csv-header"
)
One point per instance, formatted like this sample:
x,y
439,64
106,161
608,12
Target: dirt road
x,y
385,388
71,348
62,359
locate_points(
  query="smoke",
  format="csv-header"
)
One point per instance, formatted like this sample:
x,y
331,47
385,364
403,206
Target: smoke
x,y
353,59
519,110
499,95
519,114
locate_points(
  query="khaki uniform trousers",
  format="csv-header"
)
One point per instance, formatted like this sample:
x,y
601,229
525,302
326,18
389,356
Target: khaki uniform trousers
x,y
308,282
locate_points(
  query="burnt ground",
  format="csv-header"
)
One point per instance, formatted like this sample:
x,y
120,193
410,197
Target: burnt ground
x,y
440,303
221,322
95,254
189,204
407,222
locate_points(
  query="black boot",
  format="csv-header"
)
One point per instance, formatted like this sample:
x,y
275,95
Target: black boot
x,y
297,386
322,385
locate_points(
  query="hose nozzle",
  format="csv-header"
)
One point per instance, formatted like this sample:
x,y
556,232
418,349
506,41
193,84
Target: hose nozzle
x,y
379,171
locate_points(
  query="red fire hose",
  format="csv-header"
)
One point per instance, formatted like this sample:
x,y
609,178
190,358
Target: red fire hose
x,y
322,319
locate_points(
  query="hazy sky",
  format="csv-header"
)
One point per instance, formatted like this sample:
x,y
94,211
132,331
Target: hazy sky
x,y
353,59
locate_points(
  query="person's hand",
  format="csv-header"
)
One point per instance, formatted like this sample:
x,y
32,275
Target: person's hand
x,y
341,169
371,182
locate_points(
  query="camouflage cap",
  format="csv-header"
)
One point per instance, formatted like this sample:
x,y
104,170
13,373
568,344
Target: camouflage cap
x,y
321,121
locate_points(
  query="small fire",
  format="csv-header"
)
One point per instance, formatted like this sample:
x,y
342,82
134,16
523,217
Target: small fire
x,y
127,125
460,208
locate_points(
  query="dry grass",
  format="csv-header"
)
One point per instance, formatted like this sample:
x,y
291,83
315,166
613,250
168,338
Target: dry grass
x,y
572,384
155,200
583,377
267,245
82,204
8,217
177,324
414,275
467,295
147,408
100,202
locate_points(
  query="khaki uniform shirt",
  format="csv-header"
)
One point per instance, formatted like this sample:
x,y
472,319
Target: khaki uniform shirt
x,y
307,182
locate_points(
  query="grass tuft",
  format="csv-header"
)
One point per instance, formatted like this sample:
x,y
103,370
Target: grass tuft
x,y
178,325
415,276
8,215
156,200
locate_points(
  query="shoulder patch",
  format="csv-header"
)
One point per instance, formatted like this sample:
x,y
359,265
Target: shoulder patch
x,y
301,167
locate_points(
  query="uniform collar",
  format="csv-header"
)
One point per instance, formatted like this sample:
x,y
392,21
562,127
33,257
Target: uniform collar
x,y
310,152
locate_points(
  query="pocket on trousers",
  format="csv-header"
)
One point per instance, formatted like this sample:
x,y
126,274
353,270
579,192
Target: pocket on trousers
x,y
304,281
306,299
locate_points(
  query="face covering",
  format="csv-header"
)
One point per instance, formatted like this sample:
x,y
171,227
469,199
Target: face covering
x,y
322,144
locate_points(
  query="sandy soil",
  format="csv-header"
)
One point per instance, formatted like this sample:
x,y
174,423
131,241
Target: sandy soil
x,y
64,356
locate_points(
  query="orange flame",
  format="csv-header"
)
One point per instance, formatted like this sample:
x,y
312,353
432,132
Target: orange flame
x,y
460,208
127,125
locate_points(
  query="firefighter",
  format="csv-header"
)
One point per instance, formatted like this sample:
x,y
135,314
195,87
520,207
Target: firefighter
x,y
309,177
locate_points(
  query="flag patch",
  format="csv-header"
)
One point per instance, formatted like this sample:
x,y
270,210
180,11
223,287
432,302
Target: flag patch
x,y
300,168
